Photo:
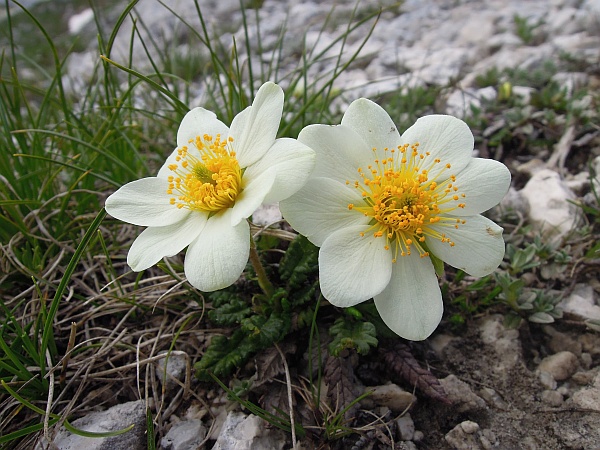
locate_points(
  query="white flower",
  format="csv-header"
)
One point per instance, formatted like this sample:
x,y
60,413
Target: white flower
x,y
379,204
215,179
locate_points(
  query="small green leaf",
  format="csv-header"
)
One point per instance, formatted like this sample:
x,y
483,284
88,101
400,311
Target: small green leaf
x,y
230,313
93,434
358,335
300,261
512,321
541,317
593,324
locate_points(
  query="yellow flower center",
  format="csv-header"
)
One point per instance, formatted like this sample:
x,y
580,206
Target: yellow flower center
x,y
404,202
210,181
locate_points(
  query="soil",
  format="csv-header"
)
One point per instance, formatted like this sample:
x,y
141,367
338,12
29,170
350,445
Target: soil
x,y
515,412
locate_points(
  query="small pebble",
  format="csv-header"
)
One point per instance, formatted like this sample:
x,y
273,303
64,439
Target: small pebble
x,y
418,436
406,427
547,380
469,427
583,378
392,396
552,398
561,365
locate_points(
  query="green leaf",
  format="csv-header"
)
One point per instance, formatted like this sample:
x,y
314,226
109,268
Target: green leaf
x,y
256,333
593,324
541,317
223,355
93,434
347,334
264,332
512,321
299,263
230,313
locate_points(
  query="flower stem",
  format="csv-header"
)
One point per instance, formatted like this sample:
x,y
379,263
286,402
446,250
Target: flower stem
x,y
263,280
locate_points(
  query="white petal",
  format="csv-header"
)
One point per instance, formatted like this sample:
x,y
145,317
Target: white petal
x,y
145,202
353,268
217,258
255,128
198,122
320,208
293,163
373,124
446,138
484,183
252,196
478,249
164,171
339,149
155,243
411,304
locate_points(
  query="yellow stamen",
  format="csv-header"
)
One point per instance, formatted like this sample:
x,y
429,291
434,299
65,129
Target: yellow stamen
x,y
406,204
208,180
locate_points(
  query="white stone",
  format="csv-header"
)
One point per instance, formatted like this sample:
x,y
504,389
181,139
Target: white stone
x,y
406,427
459,439
460,394
78,22
550,210
561,365
581,302
505,343
242,432
547,380
392,396
567,21
176,368
461,101
116,418
552,398
587,398
267,215
524,92
185,435
469,427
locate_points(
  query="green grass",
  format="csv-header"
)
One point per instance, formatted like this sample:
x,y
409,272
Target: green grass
x,y
77,328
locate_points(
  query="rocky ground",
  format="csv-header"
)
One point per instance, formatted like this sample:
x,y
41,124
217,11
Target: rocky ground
x,y
534,387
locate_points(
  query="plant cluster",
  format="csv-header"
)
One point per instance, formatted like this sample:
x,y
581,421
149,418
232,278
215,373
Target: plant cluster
x,y
78,329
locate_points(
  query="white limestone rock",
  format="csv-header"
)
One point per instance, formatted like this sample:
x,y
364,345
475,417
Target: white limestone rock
x,y
550,210
582,303
116,418
242,432
184,435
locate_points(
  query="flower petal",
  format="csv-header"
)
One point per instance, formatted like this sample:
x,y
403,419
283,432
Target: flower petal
x,y
217,258
255,128
320,208
339,151
484,183
145,202
293,163
198,122
252,196
353,268
411,304
444,137
373,124
478,249
155,243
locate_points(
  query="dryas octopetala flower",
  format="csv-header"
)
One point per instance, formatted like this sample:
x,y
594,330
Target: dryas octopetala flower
x,y
381,205
215,179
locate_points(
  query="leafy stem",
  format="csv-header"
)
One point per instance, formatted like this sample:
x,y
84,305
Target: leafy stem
x,y
263,280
